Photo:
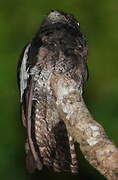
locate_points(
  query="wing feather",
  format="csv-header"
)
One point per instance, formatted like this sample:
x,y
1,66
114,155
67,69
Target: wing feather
x,y
37,161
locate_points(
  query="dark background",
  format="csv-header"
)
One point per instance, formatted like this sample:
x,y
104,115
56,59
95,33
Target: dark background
x,y
19,21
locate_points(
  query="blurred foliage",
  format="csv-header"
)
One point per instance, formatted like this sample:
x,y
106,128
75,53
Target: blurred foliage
x,y
19,20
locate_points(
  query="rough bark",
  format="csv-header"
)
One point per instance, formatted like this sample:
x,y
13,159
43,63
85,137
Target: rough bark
x,y
97,148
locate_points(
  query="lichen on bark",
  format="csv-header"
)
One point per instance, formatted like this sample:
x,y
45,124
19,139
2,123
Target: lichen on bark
x,y
97,148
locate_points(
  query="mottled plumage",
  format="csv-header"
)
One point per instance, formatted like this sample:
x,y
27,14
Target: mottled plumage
x,y
59,46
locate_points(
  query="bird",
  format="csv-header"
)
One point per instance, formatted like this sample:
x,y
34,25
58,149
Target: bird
x,y
58,46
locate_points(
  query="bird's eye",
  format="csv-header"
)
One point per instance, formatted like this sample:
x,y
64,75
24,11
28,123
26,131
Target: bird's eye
x,y
69,52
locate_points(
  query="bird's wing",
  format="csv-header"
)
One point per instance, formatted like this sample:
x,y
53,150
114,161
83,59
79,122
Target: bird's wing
x,y
26,86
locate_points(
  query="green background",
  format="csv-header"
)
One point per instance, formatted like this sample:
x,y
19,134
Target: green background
x,y
19,21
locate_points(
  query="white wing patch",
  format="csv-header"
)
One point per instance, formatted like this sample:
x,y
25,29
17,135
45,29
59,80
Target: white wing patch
x,y
24,72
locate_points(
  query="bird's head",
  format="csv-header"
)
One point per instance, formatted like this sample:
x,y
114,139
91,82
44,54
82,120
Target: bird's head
x,y
60,17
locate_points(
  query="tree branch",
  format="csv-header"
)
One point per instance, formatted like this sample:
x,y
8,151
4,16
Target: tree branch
x,y
97,148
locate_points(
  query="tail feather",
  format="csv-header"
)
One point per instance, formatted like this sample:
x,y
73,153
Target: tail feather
x,y
74,161
52,143
65,155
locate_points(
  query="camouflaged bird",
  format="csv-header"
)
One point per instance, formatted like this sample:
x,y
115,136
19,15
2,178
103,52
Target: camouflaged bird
x,y
59,46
